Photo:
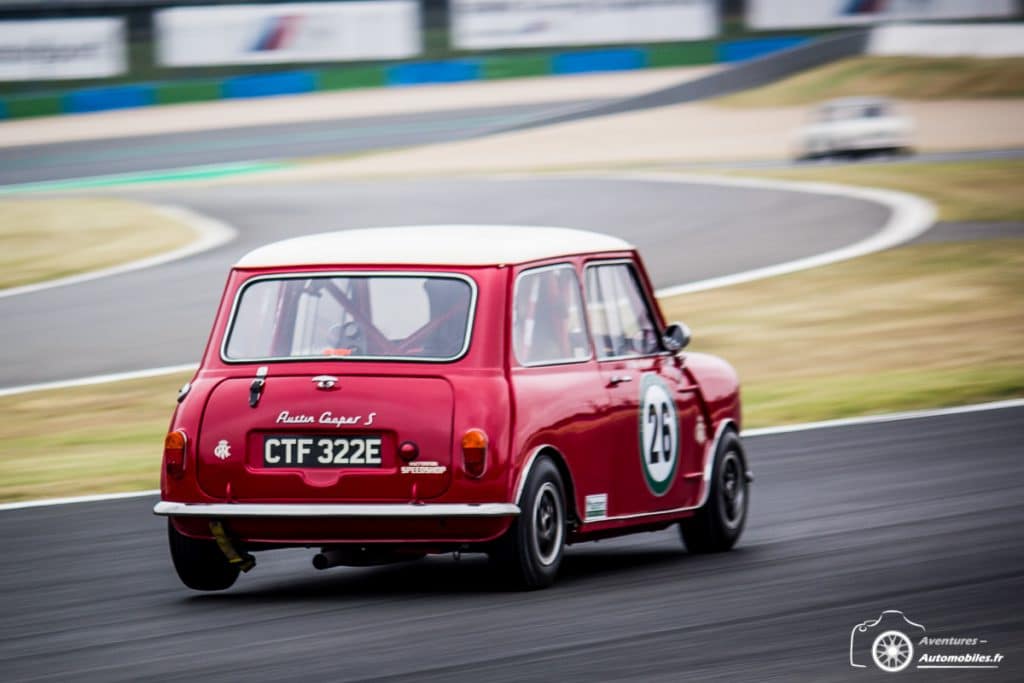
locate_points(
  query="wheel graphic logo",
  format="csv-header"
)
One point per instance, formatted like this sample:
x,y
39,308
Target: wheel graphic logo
x,y
892,651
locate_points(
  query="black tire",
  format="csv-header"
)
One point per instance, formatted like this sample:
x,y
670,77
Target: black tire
x,y
200,564
530,552
718,524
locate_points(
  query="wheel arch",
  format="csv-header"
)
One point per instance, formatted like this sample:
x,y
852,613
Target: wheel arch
x,y
724,427
556,457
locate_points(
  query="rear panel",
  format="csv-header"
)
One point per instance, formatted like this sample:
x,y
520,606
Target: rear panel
x,y
304,441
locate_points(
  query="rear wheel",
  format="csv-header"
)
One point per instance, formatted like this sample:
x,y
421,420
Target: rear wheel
x,y
531,551
717,526
200,564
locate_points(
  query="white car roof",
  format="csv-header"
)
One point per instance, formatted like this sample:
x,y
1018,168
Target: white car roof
x,y
434,245
861,101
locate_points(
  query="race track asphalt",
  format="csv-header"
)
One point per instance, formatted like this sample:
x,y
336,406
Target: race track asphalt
x,y
922,516
57,161
161,316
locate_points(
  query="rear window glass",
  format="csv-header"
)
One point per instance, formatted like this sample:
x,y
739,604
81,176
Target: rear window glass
x,y
398,317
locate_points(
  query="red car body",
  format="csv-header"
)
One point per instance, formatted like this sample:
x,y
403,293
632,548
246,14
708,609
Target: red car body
x,y
474,426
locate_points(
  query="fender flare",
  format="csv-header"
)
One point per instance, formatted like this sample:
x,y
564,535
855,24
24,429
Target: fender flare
x,y
563,468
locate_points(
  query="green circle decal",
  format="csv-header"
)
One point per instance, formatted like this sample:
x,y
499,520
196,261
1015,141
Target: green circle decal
x,y
659,434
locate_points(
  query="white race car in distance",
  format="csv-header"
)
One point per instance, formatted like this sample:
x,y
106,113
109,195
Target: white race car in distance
x,y
854,126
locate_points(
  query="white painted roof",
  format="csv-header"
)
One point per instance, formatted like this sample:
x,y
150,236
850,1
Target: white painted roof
x,y
435,245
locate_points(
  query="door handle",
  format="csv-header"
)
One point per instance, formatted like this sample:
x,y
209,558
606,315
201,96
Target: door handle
x,y
616,380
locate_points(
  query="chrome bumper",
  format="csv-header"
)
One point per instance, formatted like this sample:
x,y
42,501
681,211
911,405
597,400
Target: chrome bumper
x,y
278,510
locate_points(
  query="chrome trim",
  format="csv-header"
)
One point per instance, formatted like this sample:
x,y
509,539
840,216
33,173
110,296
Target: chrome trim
x,y
570,505
370,510
325,381
583,312
470,320
708,467
526,470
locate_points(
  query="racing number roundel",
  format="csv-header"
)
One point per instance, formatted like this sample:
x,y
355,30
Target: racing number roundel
x,y
659,434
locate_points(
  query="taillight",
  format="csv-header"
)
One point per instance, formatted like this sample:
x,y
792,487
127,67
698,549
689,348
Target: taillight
x,y
474,452
174,453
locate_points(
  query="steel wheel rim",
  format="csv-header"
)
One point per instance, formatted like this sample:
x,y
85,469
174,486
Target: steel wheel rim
x,y
732,490
892,651
547,527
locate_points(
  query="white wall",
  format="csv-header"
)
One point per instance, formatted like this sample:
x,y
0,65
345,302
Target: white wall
x,y
948,40
291,32
47,49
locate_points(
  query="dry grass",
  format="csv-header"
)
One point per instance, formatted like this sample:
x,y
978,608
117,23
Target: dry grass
x,y
963,190
910,78
85,440
920,326
42,239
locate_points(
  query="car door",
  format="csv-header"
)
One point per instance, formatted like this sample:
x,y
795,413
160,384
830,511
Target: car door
x,y
653,407
559,395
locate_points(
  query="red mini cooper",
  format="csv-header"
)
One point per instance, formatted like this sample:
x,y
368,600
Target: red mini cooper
x,y
388,393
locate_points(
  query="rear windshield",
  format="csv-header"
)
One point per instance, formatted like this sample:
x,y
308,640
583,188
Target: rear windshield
x,y
398,317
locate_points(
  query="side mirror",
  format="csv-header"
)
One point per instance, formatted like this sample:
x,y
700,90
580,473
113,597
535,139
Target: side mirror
x,y
676,337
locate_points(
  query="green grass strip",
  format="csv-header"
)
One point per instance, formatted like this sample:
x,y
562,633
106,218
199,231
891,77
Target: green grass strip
x,y
351,77
516,66
33,105
122,179
187,91
682,54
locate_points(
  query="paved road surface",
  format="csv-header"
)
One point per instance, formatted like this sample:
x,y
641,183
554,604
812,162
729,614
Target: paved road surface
x,y
31,163
922,516
161,316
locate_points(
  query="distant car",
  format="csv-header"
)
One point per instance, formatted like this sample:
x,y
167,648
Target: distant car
x,y
389,393
855,126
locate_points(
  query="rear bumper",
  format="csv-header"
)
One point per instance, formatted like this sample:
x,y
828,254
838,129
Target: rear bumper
x,y
334,511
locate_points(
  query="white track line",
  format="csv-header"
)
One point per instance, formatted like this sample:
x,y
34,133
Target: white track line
x,y
910,216
885,417
747,433
46,502
209,232
98,379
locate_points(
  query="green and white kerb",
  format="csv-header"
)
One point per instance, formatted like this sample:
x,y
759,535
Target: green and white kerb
x,y
659,434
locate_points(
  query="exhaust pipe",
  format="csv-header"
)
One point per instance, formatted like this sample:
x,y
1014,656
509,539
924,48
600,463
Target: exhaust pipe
x,y
329,558
361,556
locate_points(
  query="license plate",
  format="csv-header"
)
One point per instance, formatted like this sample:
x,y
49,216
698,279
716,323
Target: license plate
x,y
321,451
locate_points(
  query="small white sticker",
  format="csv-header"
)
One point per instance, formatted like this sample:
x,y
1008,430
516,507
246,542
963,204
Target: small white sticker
x,y
223,450
425,467
596,506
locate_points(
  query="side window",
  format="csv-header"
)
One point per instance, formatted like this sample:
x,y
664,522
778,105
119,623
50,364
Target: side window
x,y
547,317
620,320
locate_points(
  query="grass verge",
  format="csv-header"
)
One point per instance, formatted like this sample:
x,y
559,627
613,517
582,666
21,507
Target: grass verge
x,y
911,78
96,439
988,190
43,239
915,327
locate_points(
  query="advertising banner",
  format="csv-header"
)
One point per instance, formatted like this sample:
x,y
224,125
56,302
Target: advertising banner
x,y
783,14
485,24
54,49
280,33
